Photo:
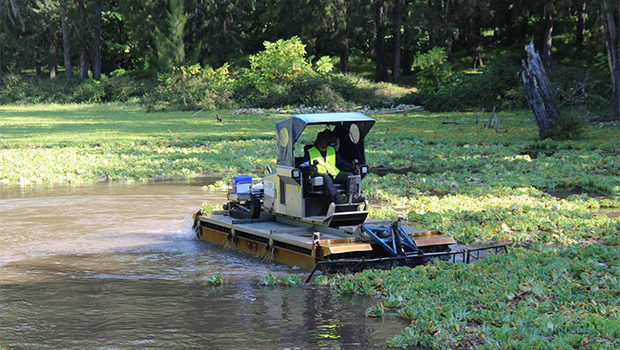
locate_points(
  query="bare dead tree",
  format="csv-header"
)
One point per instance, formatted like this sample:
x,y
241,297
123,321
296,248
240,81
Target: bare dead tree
x,y
538,91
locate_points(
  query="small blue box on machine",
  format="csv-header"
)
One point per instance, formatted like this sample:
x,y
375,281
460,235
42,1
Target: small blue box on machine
x,y
242,184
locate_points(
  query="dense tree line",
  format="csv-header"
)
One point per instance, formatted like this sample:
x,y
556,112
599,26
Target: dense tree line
x,y
94,37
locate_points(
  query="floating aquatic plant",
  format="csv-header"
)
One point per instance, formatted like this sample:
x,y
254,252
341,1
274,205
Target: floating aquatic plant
x,y
538,298
214,280
207,208
289,280
269,280
375,311
320,280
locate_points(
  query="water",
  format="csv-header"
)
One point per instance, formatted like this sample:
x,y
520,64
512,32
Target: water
x,y
116,266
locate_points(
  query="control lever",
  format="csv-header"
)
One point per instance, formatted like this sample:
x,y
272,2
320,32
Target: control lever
x,y
315,163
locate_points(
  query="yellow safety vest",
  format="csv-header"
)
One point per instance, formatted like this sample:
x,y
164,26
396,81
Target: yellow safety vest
x,y
327,165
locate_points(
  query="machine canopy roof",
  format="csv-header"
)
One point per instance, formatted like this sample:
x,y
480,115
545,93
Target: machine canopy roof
x,y
350,127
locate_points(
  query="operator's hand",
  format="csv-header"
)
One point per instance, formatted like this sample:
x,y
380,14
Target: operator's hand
x,y
313,168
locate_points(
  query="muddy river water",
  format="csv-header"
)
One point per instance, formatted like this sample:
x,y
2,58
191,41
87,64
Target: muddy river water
x,y
117,266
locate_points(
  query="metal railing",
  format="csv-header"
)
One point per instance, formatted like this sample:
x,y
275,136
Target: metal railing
x,y
411,260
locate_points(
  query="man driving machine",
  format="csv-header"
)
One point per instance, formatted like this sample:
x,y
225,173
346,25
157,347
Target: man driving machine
x,y
322,160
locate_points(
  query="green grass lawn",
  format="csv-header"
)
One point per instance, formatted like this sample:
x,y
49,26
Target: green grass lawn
x,y
466,180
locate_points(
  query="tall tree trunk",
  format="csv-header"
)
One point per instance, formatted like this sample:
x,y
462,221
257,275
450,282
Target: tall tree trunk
x,y
398,16
478,54
581,25
38,63
548,38
475,45
381,73
448,35
66,43
83,41
53,60
342,32
97,42
611,40
407,54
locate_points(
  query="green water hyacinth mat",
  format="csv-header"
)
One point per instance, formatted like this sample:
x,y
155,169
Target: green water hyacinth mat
x,y
537,298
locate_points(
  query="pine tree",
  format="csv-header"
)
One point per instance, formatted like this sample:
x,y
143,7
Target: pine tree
x,y
169,40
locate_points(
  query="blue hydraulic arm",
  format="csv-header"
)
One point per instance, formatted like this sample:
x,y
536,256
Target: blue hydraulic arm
x,y
398,241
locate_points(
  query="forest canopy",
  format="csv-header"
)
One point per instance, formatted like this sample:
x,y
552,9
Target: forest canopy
x,y
474,45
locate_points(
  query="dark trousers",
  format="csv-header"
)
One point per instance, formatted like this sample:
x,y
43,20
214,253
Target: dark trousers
x,y
342,178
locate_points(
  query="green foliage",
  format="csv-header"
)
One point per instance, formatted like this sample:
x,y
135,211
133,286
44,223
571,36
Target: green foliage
x,y
91,91
324,65
581,87
289,280
334,90
496,86
282,62
434,70
286,280
320,280
269,280
214,280
547,298
32,90
169,39
570,126
206,88
206,208
375,311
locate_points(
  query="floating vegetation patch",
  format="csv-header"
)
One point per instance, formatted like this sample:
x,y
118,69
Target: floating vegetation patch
x,y
289,280
320,280
545,298
269,280
375,311
285,280
214,280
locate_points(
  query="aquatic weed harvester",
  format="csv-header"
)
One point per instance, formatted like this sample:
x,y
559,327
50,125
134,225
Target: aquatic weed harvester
x,y
287,216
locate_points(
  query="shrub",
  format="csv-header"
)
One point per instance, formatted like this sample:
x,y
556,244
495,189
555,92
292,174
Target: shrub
x,y
122,88
317,91
434,70
281,62
496,86
570,126
91,91
324,65
13,88
204,88
576,87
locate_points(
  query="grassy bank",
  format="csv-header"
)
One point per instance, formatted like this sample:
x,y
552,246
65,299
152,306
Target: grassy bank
x,y
469,181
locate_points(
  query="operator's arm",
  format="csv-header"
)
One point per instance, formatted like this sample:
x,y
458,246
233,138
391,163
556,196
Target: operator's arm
x,y
342,164
305,164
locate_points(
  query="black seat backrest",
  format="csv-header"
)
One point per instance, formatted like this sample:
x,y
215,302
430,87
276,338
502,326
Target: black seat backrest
x,y
299,159
307,148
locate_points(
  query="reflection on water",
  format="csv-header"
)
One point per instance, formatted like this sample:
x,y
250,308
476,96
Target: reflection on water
x,y
116,266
